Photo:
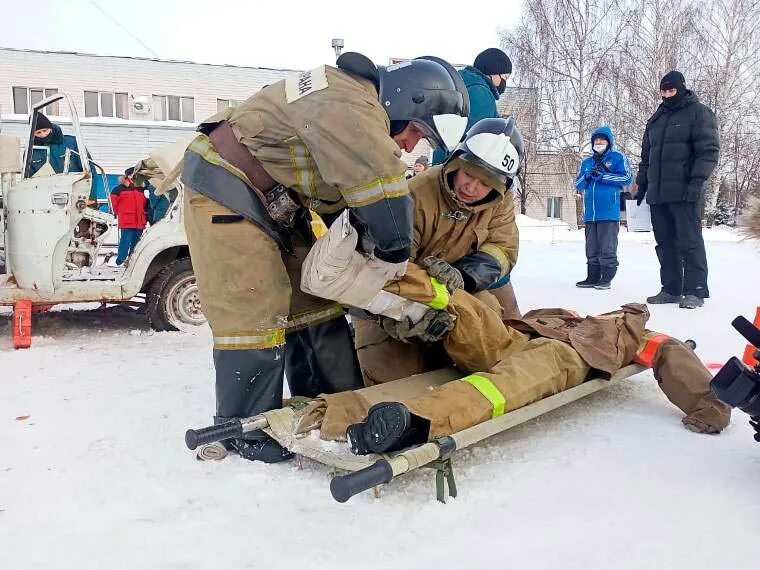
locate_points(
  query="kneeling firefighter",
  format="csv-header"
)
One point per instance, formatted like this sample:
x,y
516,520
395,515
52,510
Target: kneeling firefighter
x,y
326,140
465,234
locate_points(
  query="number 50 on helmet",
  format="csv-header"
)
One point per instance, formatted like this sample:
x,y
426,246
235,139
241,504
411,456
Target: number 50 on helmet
x,y
495,145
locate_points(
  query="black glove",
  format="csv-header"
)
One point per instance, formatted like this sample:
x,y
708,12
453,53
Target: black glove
x,y
444,272
433,326
640,193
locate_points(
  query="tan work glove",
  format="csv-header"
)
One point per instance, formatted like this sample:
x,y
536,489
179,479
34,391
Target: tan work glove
x,y
433,326
444,272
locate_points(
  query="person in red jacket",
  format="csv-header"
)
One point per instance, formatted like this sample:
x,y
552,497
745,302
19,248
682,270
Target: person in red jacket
x,y
130,207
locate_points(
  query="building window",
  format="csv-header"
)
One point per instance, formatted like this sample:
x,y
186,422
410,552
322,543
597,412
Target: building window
x,y
222,104
105,104
26,97
554,208
173,108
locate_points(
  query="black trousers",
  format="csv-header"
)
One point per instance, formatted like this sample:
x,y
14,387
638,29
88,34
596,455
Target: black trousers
x,y
680,248
602,243
322,359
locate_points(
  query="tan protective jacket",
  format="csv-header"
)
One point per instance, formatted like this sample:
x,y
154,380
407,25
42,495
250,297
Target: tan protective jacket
x,y
324,134
451,230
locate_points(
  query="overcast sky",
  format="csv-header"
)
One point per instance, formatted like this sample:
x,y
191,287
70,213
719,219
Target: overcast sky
x,y
293,34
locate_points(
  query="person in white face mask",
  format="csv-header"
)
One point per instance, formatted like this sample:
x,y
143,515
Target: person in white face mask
x,y
601,178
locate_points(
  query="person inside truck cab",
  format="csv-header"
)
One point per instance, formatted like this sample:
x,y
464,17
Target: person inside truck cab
x,y
49,135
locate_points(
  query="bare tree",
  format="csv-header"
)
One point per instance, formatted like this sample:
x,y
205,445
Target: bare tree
x,y
561,47
728,81
600,61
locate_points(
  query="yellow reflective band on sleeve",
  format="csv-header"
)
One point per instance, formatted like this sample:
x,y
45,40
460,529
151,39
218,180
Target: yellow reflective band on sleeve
x,y
498,254
378,189
303,167
441,299
489,391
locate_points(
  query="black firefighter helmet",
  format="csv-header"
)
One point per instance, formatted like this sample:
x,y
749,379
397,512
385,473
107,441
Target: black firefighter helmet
x,y
426,91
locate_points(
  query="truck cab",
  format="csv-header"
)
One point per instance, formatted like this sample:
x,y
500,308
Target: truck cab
x,y
53,236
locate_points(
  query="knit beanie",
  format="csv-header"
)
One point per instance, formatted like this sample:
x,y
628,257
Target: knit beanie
x,y
493,61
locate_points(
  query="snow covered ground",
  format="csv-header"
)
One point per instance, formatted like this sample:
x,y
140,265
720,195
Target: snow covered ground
x,y
97,475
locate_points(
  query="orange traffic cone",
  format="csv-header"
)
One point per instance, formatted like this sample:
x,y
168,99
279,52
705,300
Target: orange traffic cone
x,y
748,359
22,324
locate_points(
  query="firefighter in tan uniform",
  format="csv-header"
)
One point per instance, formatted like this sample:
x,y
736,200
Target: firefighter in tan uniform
x,y
326,140
464,231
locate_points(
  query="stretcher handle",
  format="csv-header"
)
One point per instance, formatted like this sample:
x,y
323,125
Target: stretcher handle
x,y
343,487
210,434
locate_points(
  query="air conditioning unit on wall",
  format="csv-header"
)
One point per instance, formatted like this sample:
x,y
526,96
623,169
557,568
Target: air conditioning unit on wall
x,y
141,105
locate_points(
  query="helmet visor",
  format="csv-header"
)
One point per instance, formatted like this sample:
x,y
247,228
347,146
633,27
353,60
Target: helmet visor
x,y
445,132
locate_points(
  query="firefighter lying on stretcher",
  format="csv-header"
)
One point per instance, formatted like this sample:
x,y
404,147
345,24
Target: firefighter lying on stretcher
x,y
428,320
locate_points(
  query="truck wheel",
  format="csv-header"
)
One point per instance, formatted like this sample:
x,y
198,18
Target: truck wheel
x,y
172,300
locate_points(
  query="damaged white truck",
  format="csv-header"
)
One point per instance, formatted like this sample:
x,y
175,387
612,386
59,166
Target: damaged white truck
x,y
51,246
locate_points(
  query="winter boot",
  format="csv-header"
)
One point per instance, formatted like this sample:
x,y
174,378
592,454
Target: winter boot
x,y
691,302
664,298
593,276
389,426
258,446
605,281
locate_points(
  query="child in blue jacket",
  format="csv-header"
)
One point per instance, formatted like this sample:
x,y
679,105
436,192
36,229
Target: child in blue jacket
x,y
601,178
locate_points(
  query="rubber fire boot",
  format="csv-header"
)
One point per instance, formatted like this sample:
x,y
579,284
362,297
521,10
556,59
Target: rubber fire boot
x,y
249,382
663,298
594,273
605,281
389,426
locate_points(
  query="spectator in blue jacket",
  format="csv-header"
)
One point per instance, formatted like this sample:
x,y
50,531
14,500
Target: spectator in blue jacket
x,y
601,178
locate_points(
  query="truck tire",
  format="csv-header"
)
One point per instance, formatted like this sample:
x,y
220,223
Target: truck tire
x,y
172,298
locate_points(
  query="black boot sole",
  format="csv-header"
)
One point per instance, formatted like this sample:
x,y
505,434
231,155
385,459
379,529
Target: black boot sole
x,y
583,285
386,426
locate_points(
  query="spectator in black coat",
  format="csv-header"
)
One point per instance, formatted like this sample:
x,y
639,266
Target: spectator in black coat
x,y
678,154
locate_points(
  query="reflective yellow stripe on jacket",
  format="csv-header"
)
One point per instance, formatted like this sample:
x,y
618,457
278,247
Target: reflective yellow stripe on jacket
x,y
253,340
441,299
489,391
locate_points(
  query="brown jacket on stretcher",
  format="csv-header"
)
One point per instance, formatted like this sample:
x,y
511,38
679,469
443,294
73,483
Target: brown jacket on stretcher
x,y
504,368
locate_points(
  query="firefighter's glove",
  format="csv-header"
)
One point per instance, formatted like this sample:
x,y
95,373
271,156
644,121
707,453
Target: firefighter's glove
x,y
433,326
444,272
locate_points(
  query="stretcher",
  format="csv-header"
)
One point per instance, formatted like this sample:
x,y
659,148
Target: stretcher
x,y
364,472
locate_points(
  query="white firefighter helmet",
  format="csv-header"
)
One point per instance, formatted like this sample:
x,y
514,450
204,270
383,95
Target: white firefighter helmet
x,y
495,145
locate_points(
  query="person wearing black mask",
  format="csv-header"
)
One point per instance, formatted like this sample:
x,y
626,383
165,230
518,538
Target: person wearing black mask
x,y
678,154
48,134
486,80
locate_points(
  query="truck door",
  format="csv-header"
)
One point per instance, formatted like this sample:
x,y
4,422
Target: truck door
x,y
43,209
